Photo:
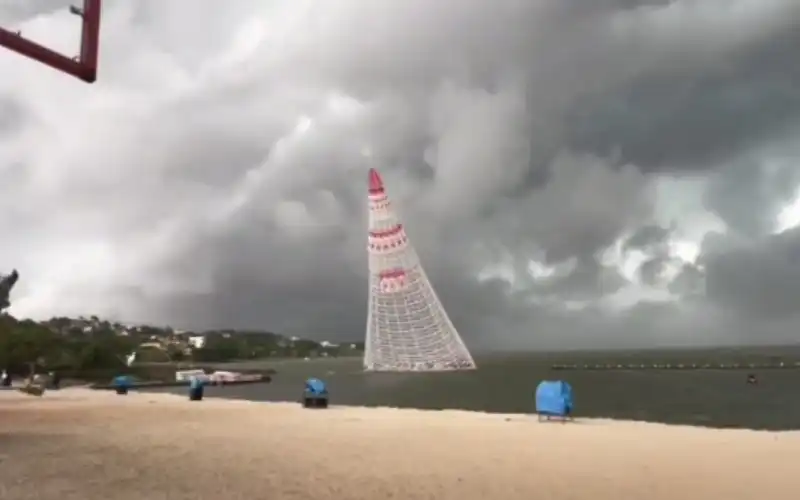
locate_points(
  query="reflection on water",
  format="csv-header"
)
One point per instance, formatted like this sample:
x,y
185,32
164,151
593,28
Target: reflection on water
x,y
506,384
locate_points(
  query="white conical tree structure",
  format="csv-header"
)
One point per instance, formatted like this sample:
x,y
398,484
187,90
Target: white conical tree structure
x,y
407,327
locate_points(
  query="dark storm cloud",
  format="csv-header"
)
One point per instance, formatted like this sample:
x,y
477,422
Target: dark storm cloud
x,y
761,279
215,175
647,237
753,189
588,279
689,282
689,118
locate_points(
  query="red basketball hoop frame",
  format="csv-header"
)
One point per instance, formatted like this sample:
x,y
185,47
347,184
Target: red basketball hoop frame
x,y
83,66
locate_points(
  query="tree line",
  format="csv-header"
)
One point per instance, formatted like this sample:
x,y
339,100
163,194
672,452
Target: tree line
x,y
26,345
93,348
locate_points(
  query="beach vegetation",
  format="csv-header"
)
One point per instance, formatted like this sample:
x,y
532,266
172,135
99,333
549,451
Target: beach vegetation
x,y
93,348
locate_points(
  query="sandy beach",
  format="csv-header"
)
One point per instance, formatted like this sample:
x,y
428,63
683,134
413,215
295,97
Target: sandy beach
x,y
83,445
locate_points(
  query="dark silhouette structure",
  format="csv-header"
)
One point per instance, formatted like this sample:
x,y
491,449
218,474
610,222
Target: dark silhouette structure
x,y
6,284
84,65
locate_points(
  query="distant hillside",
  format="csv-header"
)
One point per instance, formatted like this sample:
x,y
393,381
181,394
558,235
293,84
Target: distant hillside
x,y
79,344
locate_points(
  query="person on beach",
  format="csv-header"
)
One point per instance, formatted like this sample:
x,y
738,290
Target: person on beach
x,y
5,379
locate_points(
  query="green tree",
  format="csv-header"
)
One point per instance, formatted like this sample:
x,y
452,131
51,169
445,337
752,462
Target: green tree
x,y
217,350
306,348
26,342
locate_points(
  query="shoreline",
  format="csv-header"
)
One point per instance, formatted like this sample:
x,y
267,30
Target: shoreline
x,y
714,399
87,394
80,443
296,401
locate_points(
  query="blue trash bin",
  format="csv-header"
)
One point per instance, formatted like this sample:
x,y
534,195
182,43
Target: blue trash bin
x,y
122,384
315,394
196,388
554,399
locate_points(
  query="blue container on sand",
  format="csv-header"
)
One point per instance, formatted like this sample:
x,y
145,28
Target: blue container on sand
x,y
315,394
196,388
122,384
554,399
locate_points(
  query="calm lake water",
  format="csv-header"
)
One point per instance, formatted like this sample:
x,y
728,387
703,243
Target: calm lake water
x,y
506,383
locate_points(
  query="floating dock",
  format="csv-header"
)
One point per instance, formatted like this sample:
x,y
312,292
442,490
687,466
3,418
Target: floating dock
x,y
244,380
780,365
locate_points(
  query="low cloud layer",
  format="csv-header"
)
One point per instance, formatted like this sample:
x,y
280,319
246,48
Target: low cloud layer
x,y
573,174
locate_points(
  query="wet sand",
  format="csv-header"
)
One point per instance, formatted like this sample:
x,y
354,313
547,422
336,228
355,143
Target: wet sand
x,y
78,444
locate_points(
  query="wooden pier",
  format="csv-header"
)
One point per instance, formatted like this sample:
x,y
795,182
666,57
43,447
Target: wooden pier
x,y
781,365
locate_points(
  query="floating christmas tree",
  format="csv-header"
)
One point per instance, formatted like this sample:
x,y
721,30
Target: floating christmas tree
x,y
407,327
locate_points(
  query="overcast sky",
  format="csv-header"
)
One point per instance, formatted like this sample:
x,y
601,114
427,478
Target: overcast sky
x,y
573,173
